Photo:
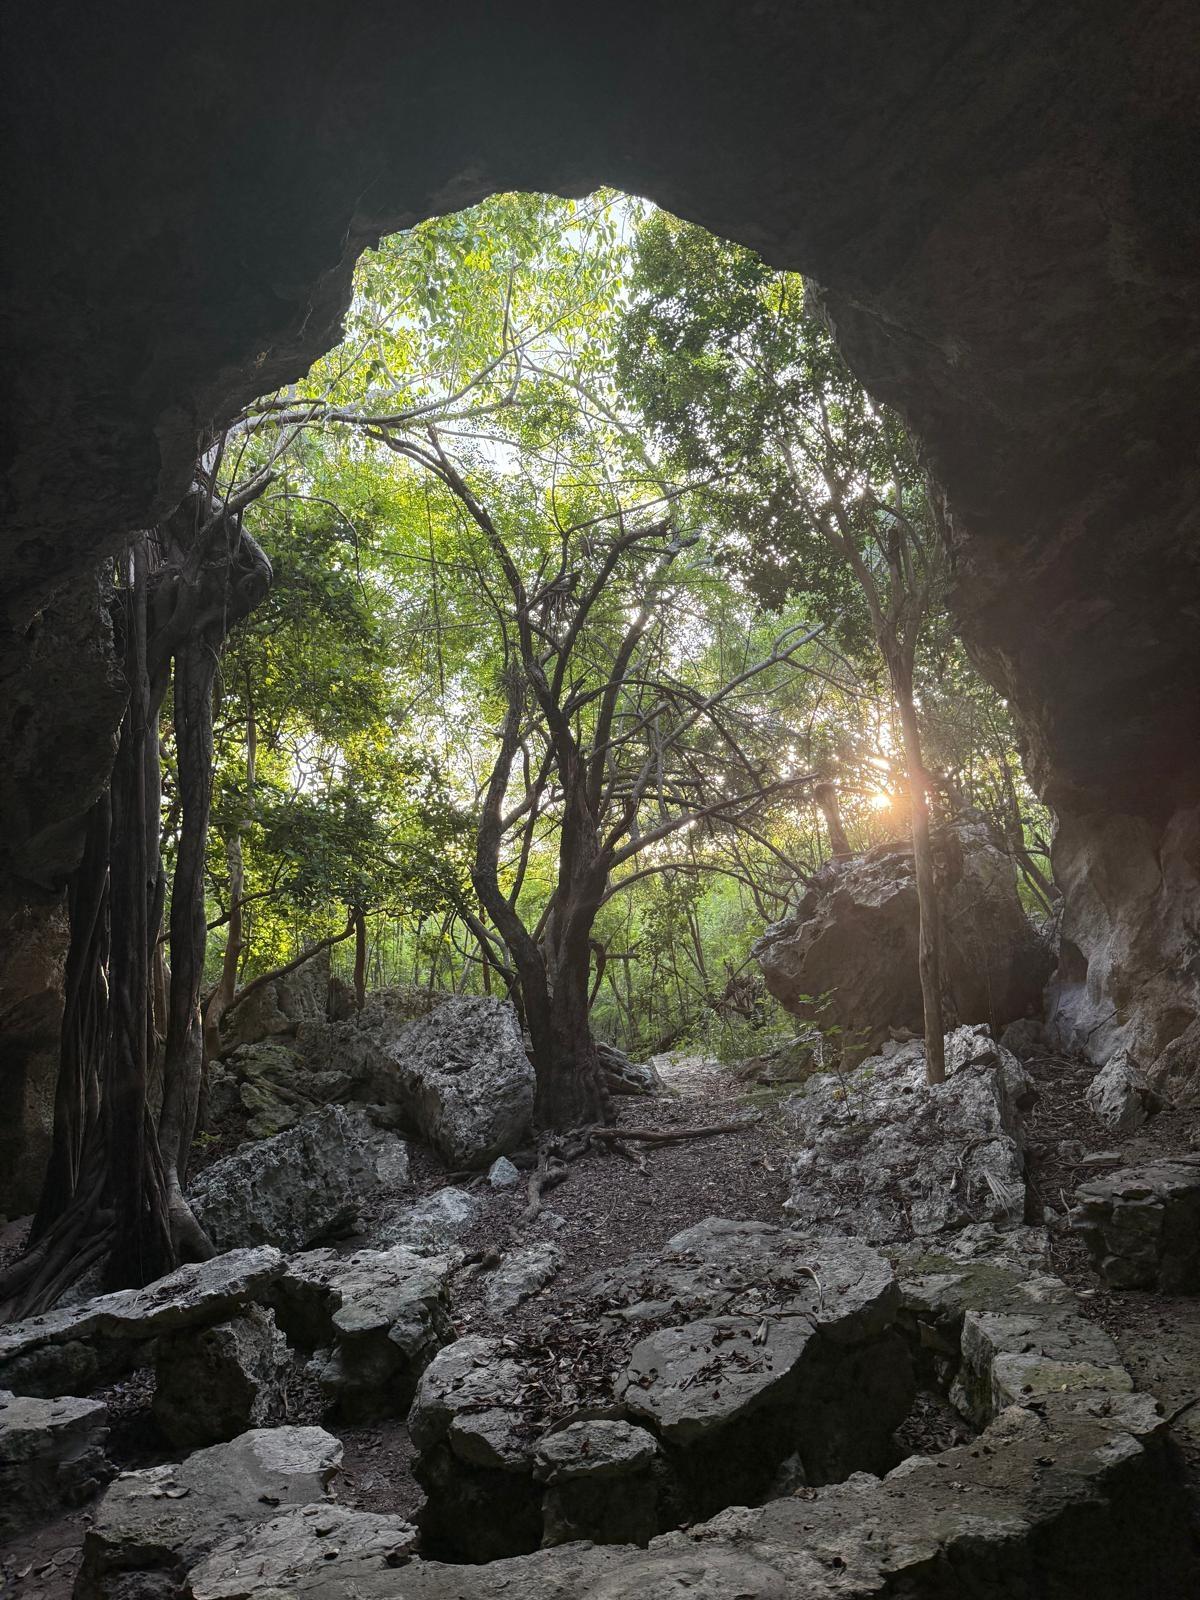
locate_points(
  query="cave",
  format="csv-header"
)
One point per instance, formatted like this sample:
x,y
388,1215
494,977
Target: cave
x,y
997,207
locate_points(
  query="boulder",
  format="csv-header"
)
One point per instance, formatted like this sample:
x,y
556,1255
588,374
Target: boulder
x,y
280,1006
475,1453
601,1483
848,954
502,1174
432,1225
213,1383
457,1078
153,1526
52,1456
267,1087
1121,1095
884,1155
1142,1225
99,1339
281,1556
521,1274
623,1076
301,1186
374,1320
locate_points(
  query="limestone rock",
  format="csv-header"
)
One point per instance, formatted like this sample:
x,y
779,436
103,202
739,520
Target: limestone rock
x,y
281,1006
432,1225
52,1455
153,1526
853,939
100,1338
464,1081
882,1153
214,1383
267,1087
376,1319
302,1186
1142,1225
601,1483
502,1174
521,1274
456,1078
337,1546
624,1076
1121,1095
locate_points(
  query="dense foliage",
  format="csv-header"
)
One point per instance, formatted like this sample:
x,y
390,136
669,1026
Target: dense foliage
x,y
577,441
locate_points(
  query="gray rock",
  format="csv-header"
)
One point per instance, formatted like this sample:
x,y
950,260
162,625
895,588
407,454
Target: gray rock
x,y
720,1267
623,1076
52,1456
853,941
521,1274
1121,1095
464,1080
279,1007
268,1086
883,1153
502,1174
434,1224
325,1544
152,1527
213,1383
101,1338
375,1318
1025,1038
301,1186
597,1448
601,1483
1142,1225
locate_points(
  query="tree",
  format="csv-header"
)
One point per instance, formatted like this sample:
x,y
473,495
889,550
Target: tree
x,y
113,1192
817,488
479,359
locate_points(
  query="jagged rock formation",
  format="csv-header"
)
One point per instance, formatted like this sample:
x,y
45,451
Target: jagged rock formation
x,y
762,1350
300,1187
848,954
210,1384
153,1526
882,1154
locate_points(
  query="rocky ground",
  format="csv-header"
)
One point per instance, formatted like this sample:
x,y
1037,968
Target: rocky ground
x,y
528,1282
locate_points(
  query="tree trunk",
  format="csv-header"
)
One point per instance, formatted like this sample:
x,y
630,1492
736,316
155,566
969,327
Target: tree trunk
x,y
929,935
360,956
826,797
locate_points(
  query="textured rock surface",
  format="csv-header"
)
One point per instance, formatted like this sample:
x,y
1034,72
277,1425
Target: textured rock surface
x,y
153,1526
760,1345
374,1319
77,1346
882,1152
214,1383
52,1455
1142,1225
432,1224
300,1187
1121,1095
281,1006
853,938
325,1543
267,1087
1127,975
522,1274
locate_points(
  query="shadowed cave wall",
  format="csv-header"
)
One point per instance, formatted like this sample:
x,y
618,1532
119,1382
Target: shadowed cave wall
x,y
998,203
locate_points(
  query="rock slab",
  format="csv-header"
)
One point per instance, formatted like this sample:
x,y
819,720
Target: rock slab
x,y
52,1456
214,1383
152,1527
